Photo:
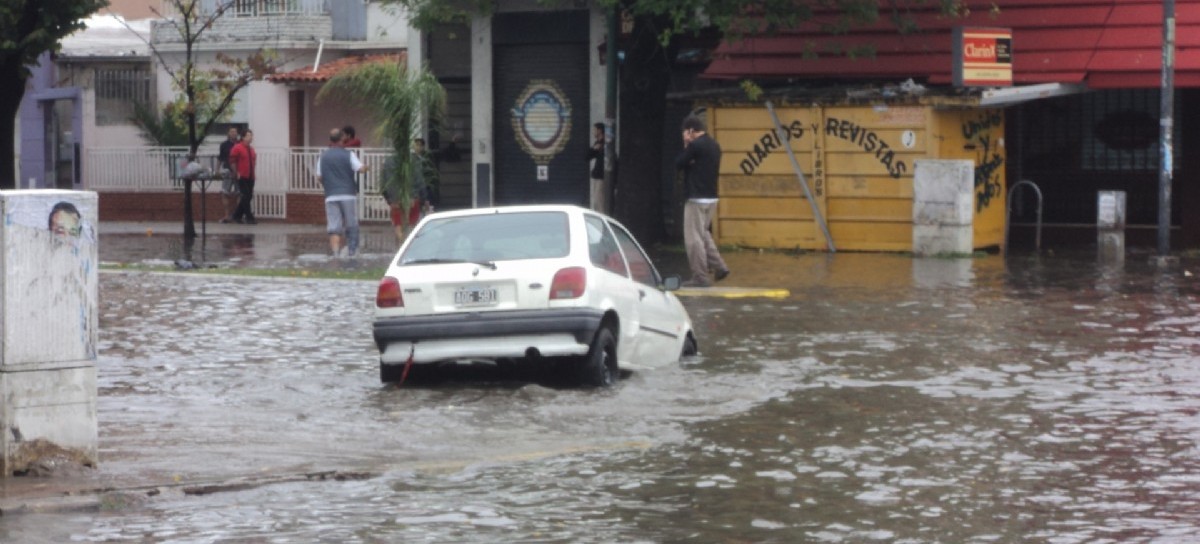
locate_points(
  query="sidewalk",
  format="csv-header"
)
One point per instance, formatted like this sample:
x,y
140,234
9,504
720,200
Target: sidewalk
x,y
265,245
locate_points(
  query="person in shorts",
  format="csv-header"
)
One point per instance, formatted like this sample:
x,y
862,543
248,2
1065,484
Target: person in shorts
x,y
336,169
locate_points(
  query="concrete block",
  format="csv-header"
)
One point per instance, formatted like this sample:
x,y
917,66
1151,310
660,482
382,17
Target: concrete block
x,y
959,211
50,281
1110,210
931,240
48,412
48,327
943,192
943,207
1110,246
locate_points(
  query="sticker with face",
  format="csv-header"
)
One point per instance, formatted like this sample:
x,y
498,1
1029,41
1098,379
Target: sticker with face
x,y
65,220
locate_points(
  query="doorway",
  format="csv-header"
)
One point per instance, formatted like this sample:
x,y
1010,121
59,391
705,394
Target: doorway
x,y
62,147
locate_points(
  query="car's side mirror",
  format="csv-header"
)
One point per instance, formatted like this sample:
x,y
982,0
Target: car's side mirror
x,y
671,283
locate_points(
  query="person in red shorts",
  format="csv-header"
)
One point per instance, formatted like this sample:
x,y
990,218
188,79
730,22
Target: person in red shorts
x,y
403,220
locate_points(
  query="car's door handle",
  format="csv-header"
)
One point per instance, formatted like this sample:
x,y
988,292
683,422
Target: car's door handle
x,y
641,294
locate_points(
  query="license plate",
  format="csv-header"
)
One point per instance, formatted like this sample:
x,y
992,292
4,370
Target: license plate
x,y
475,296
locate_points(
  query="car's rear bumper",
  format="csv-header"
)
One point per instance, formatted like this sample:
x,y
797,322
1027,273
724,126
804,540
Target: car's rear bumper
x,y
429,338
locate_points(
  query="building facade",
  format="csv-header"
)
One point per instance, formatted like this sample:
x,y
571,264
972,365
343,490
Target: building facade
x,y
1082,115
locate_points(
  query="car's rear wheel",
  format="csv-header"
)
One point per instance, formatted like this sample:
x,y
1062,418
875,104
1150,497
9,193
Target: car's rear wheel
x,y
599,368
689,346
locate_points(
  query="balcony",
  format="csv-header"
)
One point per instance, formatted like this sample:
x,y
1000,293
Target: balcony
x,y
276,8
255,8
258,21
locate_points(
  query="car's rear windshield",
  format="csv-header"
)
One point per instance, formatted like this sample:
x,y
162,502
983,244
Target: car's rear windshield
x,y
490,237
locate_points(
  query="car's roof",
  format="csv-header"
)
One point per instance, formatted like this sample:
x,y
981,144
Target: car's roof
x,y
524,208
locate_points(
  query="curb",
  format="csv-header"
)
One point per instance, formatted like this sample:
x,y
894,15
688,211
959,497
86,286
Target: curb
x,y
94,500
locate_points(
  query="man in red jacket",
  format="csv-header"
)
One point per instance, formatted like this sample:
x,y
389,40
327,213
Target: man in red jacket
x,y
243,158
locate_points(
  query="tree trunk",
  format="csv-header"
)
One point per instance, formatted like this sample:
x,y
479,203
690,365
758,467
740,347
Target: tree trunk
x,y
645,76
189,224
11,93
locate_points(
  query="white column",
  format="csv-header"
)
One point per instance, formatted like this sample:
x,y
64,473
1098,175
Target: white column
x,y
481,112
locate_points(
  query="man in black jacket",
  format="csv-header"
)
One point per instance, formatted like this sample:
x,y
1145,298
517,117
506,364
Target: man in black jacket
x,y
701,161
596,155
229,190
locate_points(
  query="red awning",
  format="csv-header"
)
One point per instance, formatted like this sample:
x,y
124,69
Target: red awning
x,y
327,70
1105,43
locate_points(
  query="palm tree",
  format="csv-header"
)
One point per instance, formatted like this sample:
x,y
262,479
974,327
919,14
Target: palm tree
x,y
396,96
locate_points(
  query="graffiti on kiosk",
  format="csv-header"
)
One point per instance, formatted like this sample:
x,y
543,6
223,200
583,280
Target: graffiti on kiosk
x,y
869,140
768,143
984,123
978,133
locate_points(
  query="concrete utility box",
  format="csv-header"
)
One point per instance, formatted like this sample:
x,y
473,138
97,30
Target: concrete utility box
x,y
48,327
943,195
1110,226
1110,210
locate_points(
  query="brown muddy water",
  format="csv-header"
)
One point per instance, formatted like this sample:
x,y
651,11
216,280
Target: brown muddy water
x,y
889,399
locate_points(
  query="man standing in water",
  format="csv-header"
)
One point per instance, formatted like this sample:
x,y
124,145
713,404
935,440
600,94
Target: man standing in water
x,y
700,161
335,171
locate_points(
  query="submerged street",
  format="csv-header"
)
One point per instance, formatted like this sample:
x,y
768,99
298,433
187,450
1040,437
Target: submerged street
x,y
889,399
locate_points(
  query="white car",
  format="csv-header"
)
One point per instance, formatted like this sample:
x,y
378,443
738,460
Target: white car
x,y
525,284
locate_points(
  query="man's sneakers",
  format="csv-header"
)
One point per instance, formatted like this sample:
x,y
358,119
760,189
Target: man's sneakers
x,y
719,275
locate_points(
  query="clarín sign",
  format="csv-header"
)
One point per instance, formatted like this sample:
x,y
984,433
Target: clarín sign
x,y
982,57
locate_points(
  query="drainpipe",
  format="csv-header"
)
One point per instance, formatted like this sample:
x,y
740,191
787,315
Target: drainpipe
x,y
610,111
317,61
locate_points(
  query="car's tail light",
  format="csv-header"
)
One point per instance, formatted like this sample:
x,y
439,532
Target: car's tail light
x,y
568,283
388,295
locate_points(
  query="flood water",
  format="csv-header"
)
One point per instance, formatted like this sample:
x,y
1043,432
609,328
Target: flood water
x,y
889,399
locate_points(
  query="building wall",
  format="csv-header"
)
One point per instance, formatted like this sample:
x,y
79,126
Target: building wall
x,y
231,29
134,9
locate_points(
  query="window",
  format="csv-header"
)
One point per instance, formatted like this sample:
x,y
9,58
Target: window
x,y
639,264
602,247
118,90
491,237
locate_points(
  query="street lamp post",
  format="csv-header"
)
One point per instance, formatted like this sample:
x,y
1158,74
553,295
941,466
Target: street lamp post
x,y
1166,124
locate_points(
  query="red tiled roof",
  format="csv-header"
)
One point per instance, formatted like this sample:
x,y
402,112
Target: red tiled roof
x,y
1105,43
327,70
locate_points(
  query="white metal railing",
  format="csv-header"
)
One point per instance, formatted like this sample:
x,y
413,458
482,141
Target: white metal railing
x,y
302,177
267,8
279,172
255,8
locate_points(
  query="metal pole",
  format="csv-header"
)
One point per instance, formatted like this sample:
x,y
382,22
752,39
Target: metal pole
x,y
784,139
610,112
1166,124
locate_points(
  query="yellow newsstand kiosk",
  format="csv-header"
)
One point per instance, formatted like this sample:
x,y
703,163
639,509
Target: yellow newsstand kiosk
x,y
858,162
